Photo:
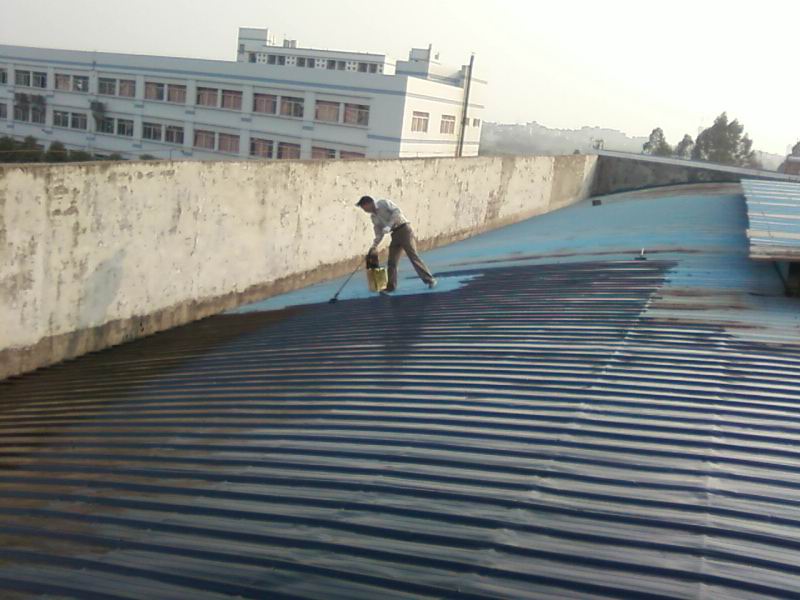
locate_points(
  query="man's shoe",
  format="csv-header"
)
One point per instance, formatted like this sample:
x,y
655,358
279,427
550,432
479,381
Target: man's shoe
x,y
387,290
432,284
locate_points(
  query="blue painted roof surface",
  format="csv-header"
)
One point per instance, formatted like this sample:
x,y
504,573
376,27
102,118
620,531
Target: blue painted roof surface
x,y
773,210
560,420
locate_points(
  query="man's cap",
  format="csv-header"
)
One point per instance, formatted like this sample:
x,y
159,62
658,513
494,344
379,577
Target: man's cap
x,y
363,200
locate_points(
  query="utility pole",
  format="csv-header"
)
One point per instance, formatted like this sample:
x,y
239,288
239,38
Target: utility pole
x,y
465,112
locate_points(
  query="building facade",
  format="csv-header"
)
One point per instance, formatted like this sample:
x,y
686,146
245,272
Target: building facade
x,y
277,101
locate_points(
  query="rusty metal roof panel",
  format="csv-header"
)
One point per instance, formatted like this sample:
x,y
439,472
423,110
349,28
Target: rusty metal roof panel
x,y
562,420
773,209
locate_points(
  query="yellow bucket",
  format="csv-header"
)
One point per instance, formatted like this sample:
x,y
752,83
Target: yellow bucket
x,y
377,279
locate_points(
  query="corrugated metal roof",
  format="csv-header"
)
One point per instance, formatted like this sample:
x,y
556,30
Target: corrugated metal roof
x,y
774,211
565,424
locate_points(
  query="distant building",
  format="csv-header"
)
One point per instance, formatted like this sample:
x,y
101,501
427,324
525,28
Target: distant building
x,y
275,101
791,165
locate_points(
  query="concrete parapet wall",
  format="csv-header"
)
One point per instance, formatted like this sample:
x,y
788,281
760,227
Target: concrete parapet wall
x,y
93,255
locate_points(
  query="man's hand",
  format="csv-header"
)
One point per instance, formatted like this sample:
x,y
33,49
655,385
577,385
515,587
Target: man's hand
x,y
372,252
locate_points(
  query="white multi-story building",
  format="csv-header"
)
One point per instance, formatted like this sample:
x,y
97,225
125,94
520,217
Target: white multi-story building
x,y
275,101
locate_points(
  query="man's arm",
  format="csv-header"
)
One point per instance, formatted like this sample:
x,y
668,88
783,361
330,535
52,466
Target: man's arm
x,y
380,231
394,212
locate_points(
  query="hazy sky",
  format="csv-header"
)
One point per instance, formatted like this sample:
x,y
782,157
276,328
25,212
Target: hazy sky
x,y
626,64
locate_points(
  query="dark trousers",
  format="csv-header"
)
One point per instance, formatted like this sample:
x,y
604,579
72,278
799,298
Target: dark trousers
x,y
403,240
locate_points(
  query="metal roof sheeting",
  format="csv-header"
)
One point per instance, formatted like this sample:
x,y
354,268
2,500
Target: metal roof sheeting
x,y
773,209
558,427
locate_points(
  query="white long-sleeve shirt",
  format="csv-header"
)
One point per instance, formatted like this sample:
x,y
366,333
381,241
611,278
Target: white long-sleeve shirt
x,y
387,216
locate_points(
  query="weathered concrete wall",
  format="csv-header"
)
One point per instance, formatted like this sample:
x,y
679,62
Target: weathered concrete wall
x,y
96,254
623,173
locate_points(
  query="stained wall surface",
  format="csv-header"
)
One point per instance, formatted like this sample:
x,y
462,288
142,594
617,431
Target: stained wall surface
x,y
96,254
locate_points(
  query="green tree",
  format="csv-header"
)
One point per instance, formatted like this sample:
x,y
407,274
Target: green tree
x,y
80,156
56,153
115,156
30,151
8,149
726,143
684,147
657,144
147,157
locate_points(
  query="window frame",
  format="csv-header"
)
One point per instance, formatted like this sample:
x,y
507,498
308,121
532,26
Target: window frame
x,y
160,89
447,125
80,79
232,141
205,132
40,112
81,119
329,105
360,111
282,146
17,73
321,153
291,103
203,92
236,95
125,123
254,141
122,86
102,122
3,76
101,81
59,115
180,91
63,82
266,98
420,121
3,111
171,131
150,126
43,79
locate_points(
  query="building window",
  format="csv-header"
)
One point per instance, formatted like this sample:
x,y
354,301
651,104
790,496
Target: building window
x,y
3,111
207,97
341,65
125,127
292,107
318,153
78,121
176,94
153,91
22,113
22,78
476,122
363,67
106,125
331,65
127,88
39,80
356,114
265,103
327,111
286,150
38,115
351,155
174,135
448,124
151,131
231,100
80,83
63,82
420,121
107,87
260,148
3,76
252,57
60,118
204,139
276,59
229,143
301,62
